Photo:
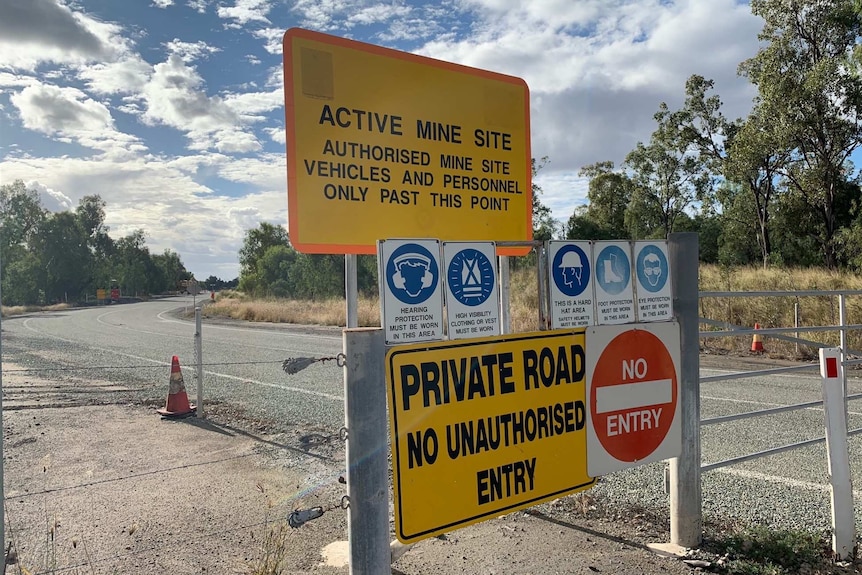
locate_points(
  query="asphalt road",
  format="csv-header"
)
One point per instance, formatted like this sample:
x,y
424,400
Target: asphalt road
x,y
132,345
127,349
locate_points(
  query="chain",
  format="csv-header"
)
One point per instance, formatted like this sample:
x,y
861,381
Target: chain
x,y
300,517
294,365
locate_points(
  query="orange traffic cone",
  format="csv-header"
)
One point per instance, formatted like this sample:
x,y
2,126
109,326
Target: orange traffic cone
x,y
756,341
178,401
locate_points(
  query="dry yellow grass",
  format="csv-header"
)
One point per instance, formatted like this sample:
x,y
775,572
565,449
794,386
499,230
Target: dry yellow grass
x,y
8,311
776,312
236,305
524,303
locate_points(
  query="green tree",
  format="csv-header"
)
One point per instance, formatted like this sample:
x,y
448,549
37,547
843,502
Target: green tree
x,y
757,154
65,255
255,244
21,218
545,227
21,214
805,77
668,177
23,279
133,262
171,271
91,217
274,272
609,195
318,276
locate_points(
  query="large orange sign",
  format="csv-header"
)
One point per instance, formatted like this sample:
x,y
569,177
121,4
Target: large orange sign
x,y
386,144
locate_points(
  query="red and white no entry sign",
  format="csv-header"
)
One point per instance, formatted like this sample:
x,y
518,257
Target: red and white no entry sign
x,y
633,396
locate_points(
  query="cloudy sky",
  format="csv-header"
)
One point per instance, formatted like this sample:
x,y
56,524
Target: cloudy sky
x,y
173,112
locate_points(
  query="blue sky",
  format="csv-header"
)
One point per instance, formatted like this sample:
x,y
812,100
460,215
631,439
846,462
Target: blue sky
x,y
173,110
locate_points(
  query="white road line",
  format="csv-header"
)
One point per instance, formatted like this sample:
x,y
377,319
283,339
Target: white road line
x,y
247,329
178,336
213,373
796,483
766,403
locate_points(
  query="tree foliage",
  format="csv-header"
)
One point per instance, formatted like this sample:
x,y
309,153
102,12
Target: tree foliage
x,y
809,88
66,256
775,187
271,267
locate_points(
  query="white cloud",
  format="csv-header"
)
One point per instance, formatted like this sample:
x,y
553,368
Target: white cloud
x,y
190,51
51,200
378,13
277,134
68,115
272,38
54,110
597,70
245,11
264,172
321,14
38,31
162,3
250,104
16,80
198,5
174,98
126,76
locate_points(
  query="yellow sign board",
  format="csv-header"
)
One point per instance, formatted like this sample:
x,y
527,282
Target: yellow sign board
x,y
101,293
387,144
485,426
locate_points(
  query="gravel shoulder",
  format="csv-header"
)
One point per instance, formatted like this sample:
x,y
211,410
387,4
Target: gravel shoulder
x,y
117,489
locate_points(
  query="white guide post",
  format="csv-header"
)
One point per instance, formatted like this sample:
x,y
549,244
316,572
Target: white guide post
x,y
843,523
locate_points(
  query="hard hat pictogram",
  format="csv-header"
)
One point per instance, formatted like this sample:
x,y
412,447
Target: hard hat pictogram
x,y
571,270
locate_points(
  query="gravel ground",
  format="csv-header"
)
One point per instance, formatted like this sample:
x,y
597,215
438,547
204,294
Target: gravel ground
x,y
117,489
113,488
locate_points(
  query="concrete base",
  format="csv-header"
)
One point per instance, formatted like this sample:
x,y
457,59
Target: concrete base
x,y
398,549
671,550
336,554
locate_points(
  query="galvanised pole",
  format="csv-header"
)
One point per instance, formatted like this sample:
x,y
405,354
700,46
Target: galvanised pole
x,y
686,514
367,452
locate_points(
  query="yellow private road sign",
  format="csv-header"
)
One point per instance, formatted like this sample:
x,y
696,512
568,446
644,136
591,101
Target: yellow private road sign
x,y
387,144
485,426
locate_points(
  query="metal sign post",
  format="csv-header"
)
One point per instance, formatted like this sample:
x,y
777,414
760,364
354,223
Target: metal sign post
x,y
686,519
367,463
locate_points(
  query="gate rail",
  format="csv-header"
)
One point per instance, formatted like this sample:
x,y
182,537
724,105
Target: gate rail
x,y
779,333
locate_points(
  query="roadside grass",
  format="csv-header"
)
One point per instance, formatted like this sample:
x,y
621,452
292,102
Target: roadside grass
x,y
736,312
760,550
778,311
333,311
274,552
50,560
8,311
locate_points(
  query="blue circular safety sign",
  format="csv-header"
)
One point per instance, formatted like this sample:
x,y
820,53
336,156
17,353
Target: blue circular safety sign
x,y
613,270
412,273
471,277
571,270
651,266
